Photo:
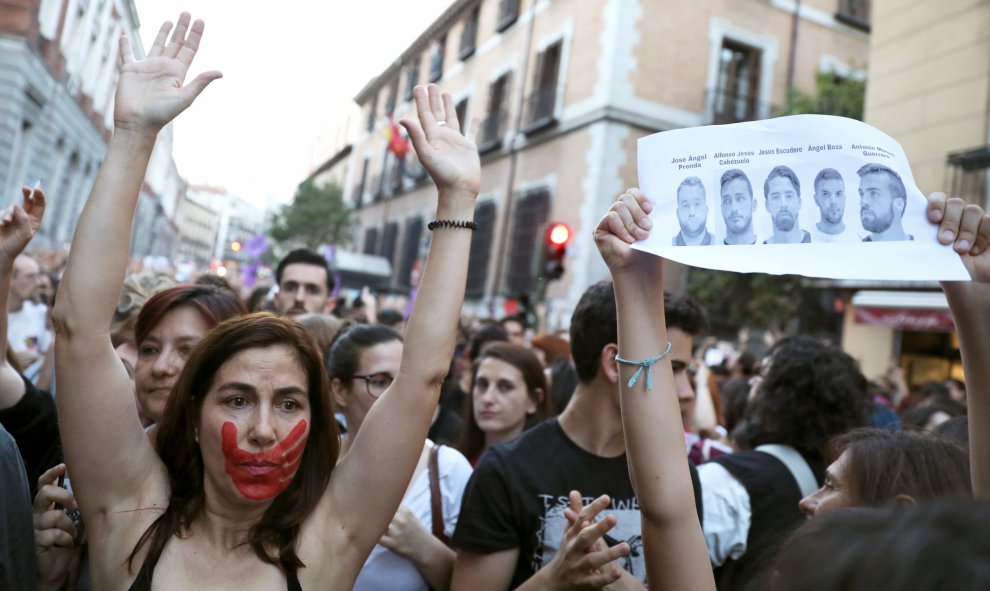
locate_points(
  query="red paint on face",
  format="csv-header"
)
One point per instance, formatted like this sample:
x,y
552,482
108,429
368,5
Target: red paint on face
x,y
264,475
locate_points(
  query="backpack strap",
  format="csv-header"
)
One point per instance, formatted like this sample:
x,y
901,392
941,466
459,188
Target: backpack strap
x,y
436,497
795,464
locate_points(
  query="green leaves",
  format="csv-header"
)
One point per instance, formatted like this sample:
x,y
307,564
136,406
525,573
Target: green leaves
x,y
747,299
836,95
317,215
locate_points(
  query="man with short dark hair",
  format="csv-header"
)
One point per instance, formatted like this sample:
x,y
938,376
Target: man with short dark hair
x,y
692,214
515,328
738,205
512,519
830,197
782,193
304,284
882,201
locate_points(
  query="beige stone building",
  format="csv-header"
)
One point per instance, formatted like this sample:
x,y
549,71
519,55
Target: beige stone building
x,y
199,225
564,89
929,88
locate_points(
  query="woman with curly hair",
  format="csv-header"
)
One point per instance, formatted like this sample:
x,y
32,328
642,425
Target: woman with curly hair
x,y
811,392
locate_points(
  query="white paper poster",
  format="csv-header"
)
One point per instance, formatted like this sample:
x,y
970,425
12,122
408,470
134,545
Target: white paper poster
x,y
811,195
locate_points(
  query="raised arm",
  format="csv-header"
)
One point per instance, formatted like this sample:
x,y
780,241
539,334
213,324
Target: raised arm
x,y
676,555
18,224
112,462
385,451
967,228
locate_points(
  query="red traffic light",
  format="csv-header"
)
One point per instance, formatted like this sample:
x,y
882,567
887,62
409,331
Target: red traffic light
x,y
559,234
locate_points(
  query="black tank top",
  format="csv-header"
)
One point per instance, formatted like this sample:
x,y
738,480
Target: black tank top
x,y
143,580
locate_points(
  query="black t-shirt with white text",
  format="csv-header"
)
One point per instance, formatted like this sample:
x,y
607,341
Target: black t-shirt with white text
x,y
519,490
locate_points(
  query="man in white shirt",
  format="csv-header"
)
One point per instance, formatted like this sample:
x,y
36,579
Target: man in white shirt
x,y
27,330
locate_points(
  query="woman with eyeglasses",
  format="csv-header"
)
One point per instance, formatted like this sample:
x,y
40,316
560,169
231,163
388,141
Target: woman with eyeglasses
x,y
362,363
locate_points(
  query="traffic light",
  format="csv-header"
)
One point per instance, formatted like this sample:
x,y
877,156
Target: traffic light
x,y
554,250
235,246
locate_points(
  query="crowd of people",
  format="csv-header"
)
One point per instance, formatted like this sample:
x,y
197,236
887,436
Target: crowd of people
x,y
162,435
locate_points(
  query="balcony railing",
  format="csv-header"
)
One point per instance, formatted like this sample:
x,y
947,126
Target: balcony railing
x,y
540,109
726,106
492,130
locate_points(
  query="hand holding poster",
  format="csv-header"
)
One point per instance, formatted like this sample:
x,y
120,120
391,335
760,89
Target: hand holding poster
x,y
810,195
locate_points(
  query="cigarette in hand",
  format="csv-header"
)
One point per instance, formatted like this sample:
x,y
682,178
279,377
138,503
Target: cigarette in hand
x,y
37,185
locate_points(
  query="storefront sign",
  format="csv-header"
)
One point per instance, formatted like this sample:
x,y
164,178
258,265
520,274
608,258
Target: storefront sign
x,y
906,319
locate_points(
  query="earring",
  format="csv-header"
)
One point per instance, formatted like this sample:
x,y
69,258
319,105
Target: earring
x,y
196,437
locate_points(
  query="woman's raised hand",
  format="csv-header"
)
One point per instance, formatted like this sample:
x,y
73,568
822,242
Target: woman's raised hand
x,y
449,156
19,223
150,92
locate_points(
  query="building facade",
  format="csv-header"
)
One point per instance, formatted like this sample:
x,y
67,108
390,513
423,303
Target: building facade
x,y
58,70
232,222
564,90
199,226
928,88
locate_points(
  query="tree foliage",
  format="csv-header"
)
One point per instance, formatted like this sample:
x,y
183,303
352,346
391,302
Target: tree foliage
x,y
317,215
746,299
835,95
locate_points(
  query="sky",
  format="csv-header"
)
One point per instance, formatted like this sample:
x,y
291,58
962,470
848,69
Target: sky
x,y
290,70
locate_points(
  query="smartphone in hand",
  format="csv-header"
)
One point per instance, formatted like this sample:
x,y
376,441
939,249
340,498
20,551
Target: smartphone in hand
x,y
73,514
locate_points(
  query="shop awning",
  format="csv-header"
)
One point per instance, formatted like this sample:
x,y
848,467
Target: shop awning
x,y
357,270
906,310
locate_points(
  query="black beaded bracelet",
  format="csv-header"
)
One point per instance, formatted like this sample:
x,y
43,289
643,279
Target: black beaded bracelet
x,y
467,224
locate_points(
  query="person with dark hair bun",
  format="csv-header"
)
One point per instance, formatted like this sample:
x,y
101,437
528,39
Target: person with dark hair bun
x,y
244,491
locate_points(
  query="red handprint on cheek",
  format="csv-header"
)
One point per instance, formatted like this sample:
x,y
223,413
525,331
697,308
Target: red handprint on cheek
x,y
264,475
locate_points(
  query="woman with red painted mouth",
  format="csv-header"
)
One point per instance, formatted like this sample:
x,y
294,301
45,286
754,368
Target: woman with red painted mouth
x,y
508,396
244,490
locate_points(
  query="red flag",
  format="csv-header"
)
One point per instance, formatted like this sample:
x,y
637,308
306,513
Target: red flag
x,y
397,144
